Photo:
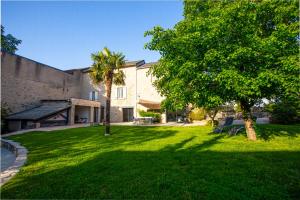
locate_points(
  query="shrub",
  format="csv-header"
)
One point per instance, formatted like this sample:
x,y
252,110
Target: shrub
x,y
284,112
197,114
4,112
254,118
156,116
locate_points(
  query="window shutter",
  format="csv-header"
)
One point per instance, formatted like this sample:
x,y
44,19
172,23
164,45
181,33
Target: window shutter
x,y
124,92
91,96
97,96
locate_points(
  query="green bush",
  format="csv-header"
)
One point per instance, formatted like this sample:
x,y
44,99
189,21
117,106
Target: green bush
x,y
284,112
156,116
4,112
197,114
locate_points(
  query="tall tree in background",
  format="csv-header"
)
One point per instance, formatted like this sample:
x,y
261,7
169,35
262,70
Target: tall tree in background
x,y
225,51
106,69
8,42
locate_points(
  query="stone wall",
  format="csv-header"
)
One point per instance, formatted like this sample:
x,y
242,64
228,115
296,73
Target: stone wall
x,y
21,157
25,82
129,101
87,86
138,85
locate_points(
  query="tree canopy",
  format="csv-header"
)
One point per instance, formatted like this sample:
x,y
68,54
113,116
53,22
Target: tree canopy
x,y
107,67
225,51
8,42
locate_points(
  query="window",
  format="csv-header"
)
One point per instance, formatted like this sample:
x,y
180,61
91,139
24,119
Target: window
x,y
93,95
120,93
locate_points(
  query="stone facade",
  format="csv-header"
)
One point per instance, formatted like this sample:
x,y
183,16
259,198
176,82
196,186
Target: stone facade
x,y
26,82
21,158
129,98
138,86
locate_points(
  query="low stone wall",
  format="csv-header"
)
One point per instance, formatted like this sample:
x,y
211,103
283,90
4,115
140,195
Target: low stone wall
x,y
21,157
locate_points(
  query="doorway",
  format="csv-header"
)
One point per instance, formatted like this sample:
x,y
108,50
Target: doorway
x,y
96,114
127,114
102,114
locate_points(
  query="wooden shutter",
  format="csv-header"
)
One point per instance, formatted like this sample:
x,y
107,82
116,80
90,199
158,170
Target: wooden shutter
x,y
124,92
96,96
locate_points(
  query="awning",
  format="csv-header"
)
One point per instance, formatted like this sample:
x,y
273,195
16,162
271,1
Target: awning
x,y
149,104
40,112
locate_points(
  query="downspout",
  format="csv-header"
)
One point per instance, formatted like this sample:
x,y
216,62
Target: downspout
x,y
135,92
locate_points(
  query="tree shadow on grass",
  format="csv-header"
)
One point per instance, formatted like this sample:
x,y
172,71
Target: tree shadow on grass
x,y
270,131
84,141
173,172
265,132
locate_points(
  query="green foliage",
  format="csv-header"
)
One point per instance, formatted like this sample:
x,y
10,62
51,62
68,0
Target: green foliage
x,y
106,67
173,103
212,111
156,116
4,113
8,42
170,162
209,123
225,51
284,111
197,114
237,107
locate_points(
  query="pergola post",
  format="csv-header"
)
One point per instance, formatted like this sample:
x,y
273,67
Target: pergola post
x,y
71,115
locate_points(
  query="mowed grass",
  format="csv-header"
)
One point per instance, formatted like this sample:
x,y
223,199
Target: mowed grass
x,y
158,163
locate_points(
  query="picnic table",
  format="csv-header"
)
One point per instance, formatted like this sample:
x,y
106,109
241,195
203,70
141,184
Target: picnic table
x,y
143,120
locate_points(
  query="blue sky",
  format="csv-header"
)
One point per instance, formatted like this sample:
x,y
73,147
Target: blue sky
x,y
64,34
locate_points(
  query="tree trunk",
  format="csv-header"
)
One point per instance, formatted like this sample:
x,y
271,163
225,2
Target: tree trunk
x,y
108,84
251,134
212,114
212,118
247,116
107,118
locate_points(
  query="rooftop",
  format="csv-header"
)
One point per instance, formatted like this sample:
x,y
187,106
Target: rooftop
x,y
42,111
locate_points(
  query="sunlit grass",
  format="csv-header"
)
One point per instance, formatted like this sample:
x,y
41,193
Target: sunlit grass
x,y
158,163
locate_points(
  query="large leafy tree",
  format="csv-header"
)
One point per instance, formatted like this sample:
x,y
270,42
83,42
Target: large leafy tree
x,y
106,69
8,42
225,51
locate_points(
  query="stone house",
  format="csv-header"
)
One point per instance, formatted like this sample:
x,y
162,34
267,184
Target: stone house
x,y
38,95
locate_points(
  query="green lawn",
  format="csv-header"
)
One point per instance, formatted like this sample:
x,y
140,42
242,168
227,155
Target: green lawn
x,y
158,163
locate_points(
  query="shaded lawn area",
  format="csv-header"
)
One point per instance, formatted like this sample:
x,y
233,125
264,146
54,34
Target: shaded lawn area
x,y
158,163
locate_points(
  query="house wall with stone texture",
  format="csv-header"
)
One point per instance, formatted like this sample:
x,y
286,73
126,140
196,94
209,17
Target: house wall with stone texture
x,y
138,85
25,82
129,100
87,86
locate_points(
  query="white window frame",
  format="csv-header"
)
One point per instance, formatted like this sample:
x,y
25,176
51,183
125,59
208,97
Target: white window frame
x,y
121,93
94,96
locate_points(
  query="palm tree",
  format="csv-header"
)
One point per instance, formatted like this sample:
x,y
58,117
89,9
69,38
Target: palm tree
x,y
106,69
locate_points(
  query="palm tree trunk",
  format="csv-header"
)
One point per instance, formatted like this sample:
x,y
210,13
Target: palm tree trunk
x,y
247,116
108,85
